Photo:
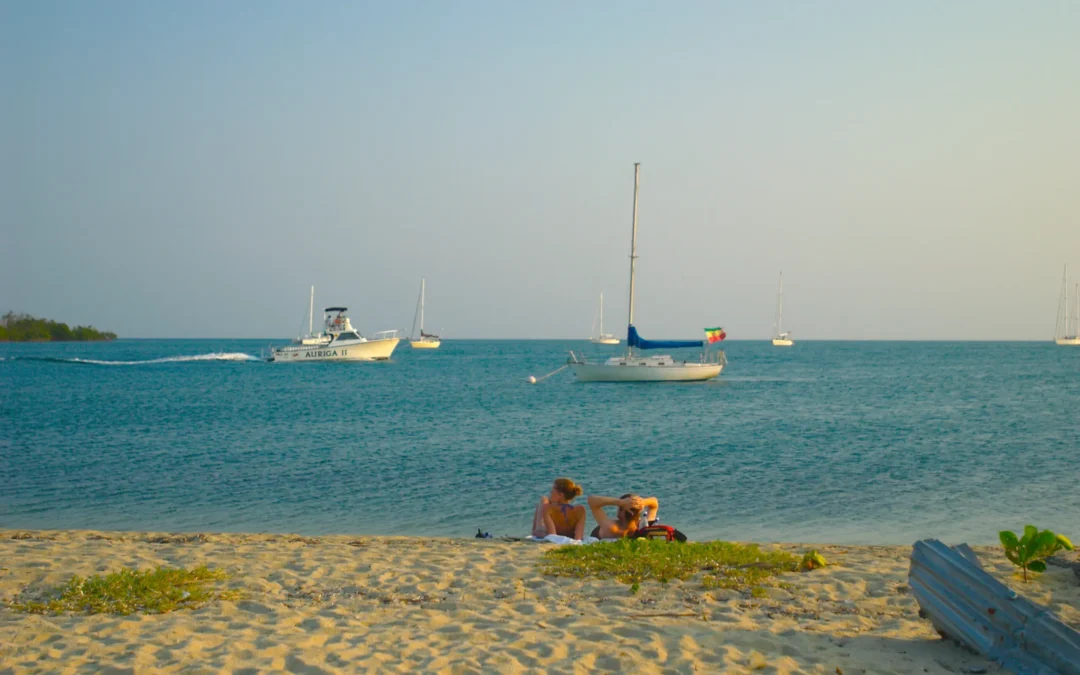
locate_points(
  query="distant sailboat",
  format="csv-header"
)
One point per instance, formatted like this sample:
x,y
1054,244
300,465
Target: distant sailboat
x,y
1067,330
781,338
426,340
603,338
635,368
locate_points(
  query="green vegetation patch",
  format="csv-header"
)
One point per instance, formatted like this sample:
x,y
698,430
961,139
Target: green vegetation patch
x,y
1030,551
25,328
631,561
130,591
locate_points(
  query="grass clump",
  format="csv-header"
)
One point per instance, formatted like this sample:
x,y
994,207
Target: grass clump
x,y
633,561
129,591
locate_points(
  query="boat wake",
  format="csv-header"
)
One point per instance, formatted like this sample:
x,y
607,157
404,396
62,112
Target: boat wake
x,y
213,356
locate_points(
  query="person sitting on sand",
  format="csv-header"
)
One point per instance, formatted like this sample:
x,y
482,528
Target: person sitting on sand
x,y
555,515
627,519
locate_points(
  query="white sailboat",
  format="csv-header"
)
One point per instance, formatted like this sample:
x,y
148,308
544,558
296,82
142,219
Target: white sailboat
x,y
603,338
338,341
635,368
1067,330
780,337
426,340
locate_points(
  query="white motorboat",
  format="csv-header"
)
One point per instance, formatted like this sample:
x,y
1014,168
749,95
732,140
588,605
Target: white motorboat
x,y
635,368
1067,330
781,338
338,341
603,338
426,340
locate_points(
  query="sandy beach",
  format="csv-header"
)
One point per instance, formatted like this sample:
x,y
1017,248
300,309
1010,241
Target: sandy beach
x,y
397,604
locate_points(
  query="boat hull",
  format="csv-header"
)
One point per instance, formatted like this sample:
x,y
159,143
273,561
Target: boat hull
x,y
605,341
777,342
677,372
425,344
371,350
1071,341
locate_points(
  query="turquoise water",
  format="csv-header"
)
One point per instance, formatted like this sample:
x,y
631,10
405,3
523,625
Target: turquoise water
x,y
842,442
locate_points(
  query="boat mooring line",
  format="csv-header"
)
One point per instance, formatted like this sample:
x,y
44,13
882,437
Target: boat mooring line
x,y
534,380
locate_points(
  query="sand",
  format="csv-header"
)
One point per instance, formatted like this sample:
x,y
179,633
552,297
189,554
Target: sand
x,y
406,604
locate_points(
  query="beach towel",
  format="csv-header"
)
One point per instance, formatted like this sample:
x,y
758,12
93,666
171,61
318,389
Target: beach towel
x,y
559,539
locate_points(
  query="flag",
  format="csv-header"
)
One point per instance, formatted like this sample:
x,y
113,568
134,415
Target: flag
x,y
715,334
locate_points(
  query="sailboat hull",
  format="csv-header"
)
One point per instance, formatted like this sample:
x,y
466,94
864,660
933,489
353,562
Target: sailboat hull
x,y
1070,341
605,341
425,344
778,342
635,372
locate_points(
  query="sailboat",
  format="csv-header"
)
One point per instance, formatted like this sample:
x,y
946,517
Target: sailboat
x,y
635,368
1067,330
426,340
780,337
603,338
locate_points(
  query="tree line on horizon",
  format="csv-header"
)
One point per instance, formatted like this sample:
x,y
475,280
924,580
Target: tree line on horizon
x,y
25,328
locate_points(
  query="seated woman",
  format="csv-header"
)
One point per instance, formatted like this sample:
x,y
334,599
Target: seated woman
x,y
555,515
627,519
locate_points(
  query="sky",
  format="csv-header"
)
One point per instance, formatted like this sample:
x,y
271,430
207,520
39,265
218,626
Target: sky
x,y
190,169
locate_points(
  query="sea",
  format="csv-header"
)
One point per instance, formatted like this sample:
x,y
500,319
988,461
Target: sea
x,y
826,442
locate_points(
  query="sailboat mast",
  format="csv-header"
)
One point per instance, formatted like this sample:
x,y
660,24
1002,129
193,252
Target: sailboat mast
x,y
633,243
422,282
1065,292
780,307
1076,311
310,312
601,313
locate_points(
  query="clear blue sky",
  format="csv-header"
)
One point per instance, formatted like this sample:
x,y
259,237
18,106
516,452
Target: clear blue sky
x,y
191,168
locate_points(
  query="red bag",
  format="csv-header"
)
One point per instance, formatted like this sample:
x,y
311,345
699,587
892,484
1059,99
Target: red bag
x,y
665,532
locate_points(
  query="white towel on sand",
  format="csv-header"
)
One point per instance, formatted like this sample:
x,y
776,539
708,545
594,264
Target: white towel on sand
x,y
559,539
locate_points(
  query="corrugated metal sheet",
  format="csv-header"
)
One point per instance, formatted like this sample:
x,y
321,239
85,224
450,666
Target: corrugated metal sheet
x,y
968,605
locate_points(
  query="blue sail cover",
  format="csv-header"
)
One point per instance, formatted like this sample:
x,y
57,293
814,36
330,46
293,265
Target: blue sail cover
x,y
635,340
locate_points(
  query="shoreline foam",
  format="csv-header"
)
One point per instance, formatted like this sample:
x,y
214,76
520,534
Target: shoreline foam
x,y
345,603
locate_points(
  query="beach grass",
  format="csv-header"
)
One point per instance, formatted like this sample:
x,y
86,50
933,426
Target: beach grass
x,y
632,561
152,591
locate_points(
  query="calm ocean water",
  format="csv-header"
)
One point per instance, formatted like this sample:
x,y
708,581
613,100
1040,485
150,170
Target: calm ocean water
x,y
851,442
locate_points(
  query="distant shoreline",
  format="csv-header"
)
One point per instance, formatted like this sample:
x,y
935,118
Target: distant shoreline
x,y
25,328
47,340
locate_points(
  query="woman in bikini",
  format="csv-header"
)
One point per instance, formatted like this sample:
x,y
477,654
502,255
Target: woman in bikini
x,y
555,515
634,512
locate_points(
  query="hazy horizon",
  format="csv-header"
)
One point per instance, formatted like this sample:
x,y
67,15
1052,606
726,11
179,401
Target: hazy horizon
x,y
191,169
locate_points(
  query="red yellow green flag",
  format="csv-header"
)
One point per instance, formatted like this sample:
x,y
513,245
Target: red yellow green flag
x,y
715,334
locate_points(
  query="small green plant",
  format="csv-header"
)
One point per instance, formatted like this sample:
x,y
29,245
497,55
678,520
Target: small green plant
x,y
812,561
1030,551
632,561
128,591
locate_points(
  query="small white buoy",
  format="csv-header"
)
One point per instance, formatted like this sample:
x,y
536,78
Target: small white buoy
x,y
533,379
